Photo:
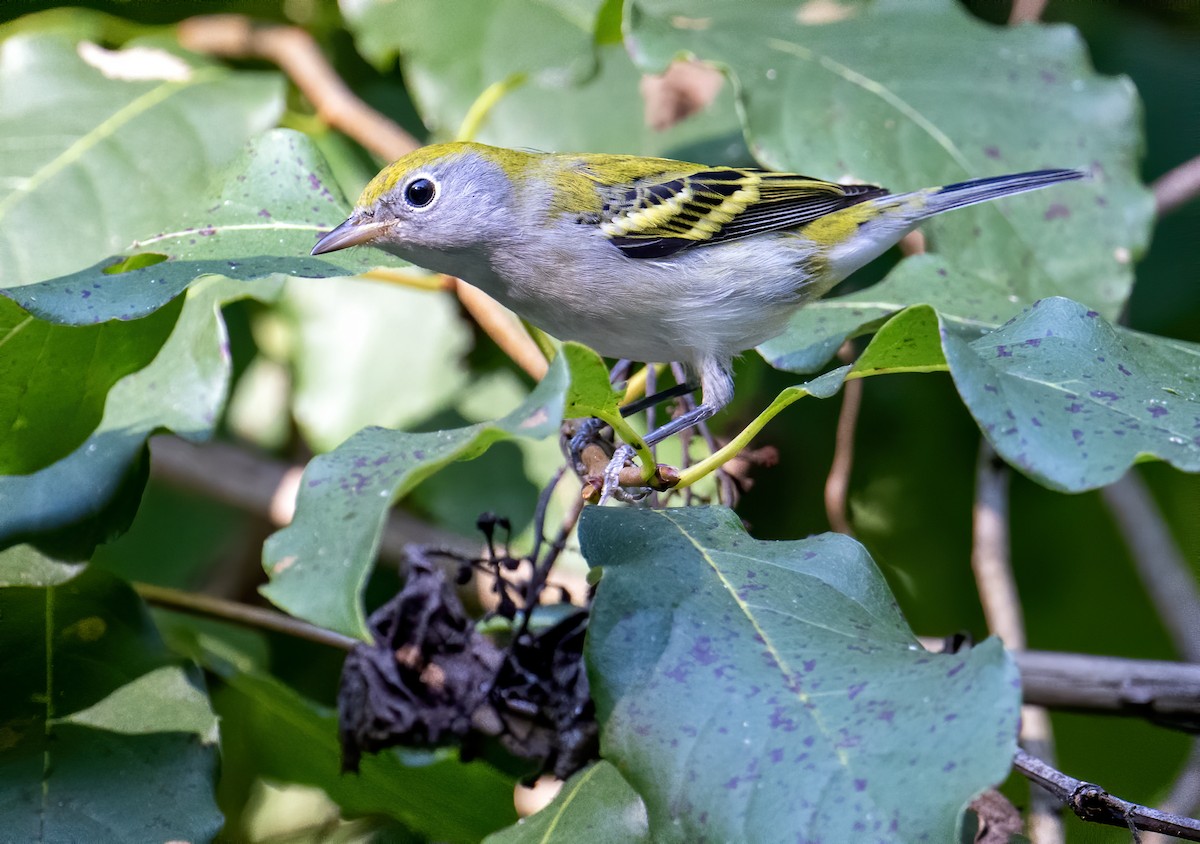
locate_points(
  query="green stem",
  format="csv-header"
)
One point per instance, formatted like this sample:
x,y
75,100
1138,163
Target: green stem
x,y
790,395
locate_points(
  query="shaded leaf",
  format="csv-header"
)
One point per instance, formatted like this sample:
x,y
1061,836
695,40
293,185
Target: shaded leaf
x,y
54,380
596,805
270,729
107,739
96,487
319,563
751,691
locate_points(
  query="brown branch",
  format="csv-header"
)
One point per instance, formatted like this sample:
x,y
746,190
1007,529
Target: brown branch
x,y
837,483
1026,11
1167,693
258,618
989,553
1177,187
1092,803
997,587
504,328
299,56
267,489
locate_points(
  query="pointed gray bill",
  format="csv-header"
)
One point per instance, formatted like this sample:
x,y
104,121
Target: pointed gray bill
x,y
350,233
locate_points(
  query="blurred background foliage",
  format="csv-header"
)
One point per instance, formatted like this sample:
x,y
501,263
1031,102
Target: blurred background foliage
x,y
912,484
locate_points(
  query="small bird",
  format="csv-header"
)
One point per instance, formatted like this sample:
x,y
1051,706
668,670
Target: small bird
x,y
648,259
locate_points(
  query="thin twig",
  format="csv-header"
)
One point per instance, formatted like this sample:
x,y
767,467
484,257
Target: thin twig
x,y
997,587
989,554
1177,187
837,483
1092,803
1165,574
258,618
299,56
1026,11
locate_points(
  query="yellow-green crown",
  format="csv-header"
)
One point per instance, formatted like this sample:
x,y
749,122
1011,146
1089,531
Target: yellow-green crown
x,y
512,162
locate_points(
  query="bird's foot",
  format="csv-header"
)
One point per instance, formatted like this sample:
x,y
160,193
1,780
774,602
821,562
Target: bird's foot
x,y
612,477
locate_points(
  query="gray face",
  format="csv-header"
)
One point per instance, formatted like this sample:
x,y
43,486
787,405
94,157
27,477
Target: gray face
x,y
447,206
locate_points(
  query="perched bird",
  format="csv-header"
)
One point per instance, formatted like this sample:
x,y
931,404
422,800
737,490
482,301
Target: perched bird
x,y
643,258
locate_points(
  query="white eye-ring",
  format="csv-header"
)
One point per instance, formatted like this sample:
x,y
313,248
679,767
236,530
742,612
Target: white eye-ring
x,y
420,192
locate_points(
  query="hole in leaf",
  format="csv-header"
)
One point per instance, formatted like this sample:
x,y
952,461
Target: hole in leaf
x,y
135,262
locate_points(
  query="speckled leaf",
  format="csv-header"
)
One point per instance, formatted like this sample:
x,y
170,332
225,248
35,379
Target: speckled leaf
x,y
262,218
761,691
107,738
912,93
579,92
1073,402
94,490
596,805
93,158
319,563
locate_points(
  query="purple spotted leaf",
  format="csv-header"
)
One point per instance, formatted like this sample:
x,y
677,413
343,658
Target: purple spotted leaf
x,y
837,90
1073,401
318,565
771,691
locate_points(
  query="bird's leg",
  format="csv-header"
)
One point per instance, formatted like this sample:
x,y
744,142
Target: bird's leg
x,y
716,383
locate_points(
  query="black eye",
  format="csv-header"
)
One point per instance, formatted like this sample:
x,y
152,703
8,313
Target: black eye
x,y
419,192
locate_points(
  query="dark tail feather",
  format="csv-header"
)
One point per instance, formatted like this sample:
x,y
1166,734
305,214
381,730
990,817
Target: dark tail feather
x,y
981,190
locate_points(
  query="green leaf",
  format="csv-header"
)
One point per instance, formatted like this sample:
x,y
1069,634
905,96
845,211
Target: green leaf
x,y
24,565
751,691
595,805
106,738
453,49
372,354
908,342
590,393
913,93
261,219
271,730
160,701
1073,401
95,488
570,89
319,563
54,380
94,158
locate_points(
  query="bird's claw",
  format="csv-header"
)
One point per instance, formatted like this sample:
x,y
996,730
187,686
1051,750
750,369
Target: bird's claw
x,y
612,473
